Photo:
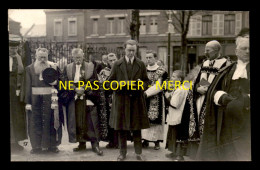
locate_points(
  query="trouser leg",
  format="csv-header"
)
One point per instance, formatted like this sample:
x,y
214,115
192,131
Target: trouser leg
x,y
122,141
137,141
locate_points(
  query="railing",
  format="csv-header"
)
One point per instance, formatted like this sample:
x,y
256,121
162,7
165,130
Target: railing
x,y
58,50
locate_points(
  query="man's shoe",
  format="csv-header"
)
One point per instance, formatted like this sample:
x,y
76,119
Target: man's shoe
x,y
157,146
179,158
54,149
121,157
170,155
80,148
36,151
139,157
145,144
98,151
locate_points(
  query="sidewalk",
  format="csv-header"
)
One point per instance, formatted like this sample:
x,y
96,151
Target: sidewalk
x,y
66,153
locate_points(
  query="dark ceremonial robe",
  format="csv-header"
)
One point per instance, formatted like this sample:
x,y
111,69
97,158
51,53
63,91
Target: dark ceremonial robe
x,y
227,133
17,109
128,106
41,119
82,119
192,123
155,104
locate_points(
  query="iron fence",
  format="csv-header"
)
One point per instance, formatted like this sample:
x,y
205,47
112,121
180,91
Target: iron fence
x,y
62,50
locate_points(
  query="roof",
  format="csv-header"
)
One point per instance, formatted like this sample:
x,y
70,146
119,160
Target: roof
x,y
36,31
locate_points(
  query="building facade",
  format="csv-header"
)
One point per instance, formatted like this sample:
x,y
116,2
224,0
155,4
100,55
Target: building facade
x,y
111,28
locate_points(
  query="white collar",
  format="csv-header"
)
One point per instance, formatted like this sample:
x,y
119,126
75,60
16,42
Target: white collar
x,y
154,67
132,59
241,63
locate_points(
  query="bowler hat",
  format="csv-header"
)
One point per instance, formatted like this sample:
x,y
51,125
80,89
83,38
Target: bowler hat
x,y
49,75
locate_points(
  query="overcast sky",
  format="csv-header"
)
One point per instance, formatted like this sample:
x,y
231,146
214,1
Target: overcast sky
x,y
27,17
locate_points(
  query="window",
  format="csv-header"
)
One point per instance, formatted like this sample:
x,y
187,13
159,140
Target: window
x,y
142,25
110,25
142,51
195,26
162,54
238,22
207,25
72,26
218,24
229,24
121,25
57,27
153,25
95,26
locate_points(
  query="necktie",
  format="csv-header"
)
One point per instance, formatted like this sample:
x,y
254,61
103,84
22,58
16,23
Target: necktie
x,y
76,78
129,69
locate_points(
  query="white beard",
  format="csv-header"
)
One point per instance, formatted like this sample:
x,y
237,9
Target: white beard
x,y
39,66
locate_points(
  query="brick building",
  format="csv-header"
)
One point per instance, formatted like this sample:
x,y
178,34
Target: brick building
x,y
110,29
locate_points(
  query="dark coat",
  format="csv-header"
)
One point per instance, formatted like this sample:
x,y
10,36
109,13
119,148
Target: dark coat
x,y
217,142
17,109
82,120
128,106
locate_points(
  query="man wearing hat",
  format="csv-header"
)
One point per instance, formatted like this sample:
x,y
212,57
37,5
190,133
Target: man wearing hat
x,y
17,111
41,98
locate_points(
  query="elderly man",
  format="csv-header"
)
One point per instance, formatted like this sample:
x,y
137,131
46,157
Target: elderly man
x,y
128,107
45,123
81,111
17,111
208,72
227,126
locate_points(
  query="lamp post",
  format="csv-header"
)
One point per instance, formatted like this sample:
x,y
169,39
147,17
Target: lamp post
x,y
169,41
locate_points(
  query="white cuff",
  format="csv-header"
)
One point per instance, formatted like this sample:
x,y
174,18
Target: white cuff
x,y
153,90
217,96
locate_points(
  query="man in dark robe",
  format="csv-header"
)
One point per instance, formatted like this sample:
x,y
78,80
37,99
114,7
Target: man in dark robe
x,y
193,118
81,112
128,106
227,133
17,110
44,119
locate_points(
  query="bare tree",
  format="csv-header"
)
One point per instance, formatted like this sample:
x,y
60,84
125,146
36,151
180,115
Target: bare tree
x,y
181,22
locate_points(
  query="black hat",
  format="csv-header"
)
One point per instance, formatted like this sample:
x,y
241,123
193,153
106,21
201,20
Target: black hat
x,y
14,40
49,75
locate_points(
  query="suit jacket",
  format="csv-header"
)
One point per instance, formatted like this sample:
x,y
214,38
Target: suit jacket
x,y
128,106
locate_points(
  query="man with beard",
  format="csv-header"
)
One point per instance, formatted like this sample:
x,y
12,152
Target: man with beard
x,y
17,111
227,133
81,112
44,123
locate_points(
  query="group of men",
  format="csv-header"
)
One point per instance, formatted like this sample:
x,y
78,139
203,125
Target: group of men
x,y
221,107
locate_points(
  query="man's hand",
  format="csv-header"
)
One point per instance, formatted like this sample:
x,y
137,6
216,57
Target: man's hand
x,y
167,94
28,107
18,92
202,89
80,91
225,99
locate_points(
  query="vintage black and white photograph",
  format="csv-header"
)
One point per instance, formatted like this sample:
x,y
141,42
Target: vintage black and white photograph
x,y
129,85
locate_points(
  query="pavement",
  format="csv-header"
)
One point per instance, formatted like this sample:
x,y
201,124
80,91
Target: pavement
x,y
66,152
